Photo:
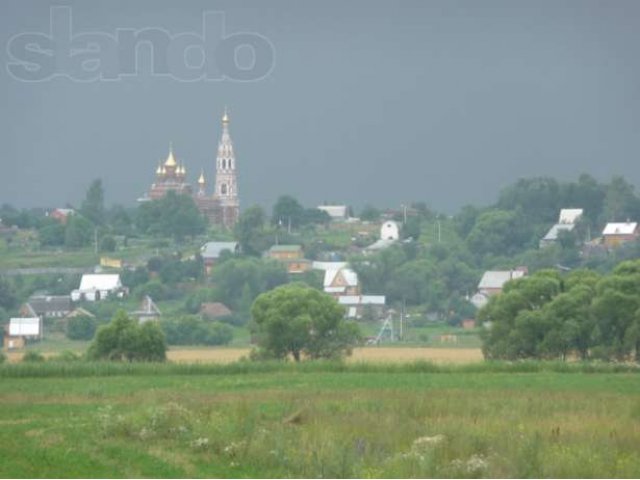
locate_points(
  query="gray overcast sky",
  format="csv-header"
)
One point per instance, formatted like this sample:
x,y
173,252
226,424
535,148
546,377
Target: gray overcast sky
x,y
368,101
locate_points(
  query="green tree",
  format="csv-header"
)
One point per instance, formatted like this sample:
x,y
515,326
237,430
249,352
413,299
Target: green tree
x,y
173,216
8,298
79,232
250,231
298,320
51,233
81,327
620,202
370,214
124,339
92,206
287,210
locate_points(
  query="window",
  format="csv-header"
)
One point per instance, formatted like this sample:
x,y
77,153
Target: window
x,y
223,189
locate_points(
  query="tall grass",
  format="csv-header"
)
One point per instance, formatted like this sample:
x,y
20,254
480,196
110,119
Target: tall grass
x,y
106,369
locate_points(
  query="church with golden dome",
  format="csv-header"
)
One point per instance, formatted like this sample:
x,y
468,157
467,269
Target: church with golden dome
x,y
222,207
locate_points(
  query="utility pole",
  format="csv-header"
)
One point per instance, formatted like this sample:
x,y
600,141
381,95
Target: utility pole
x,y
95,240
404,214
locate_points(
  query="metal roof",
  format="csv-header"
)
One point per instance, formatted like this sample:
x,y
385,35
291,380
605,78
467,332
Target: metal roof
x,y
335,211
24,326
362,300
100,282
328,265
569,215
496,279
350,277
553,232
626,228
45,304
214,249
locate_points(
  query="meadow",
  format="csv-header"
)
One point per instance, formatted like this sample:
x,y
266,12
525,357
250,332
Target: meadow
x,y
368,420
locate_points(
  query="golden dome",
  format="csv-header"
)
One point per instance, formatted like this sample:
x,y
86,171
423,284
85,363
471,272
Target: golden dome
x,y
171,161
225,117
159,169
201,179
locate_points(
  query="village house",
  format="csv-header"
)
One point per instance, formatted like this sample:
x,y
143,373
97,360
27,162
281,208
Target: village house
x,y
492,283
211,252
615,234
292,256
47,306
341,282
20,331
214,310
61,214
389,234
567,221
147,311
96,287
336,212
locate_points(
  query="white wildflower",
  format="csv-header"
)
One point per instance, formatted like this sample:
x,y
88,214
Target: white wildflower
x,y
201,442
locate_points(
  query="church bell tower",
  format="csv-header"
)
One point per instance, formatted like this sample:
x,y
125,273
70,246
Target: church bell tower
x,y
226,186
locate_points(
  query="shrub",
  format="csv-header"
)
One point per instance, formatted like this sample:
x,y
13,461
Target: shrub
x,y
81,328
3,358
192,330
154,288
32,356
66,356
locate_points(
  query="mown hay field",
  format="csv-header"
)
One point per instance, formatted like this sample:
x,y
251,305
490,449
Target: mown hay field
x,y
315,421
369,354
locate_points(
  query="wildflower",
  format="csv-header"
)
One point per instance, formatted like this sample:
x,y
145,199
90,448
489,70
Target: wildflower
x,y
202,442
474,465
423,443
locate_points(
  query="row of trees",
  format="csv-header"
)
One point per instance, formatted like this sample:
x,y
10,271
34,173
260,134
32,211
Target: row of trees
x,y
291,320
548,315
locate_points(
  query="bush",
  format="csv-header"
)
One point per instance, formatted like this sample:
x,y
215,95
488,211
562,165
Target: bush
x,y
154,288
3,358
32,356
81,328
66,356
192,330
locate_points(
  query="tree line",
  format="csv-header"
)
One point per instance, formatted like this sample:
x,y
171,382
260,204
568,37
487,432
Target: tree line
x,y
549,315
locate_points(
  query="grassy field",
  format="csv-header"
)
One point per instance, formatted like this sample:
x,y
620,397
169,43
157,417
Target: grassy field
x,y
319,420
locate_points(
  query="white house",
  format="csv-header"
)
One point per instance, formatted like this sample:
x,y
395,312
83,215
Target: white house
x,y
341,282
95,287
389,231
20,330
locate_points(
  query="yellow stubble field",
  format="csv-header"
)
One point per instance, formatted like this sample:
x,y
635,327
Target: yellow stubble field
x,y
368,354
